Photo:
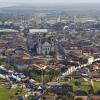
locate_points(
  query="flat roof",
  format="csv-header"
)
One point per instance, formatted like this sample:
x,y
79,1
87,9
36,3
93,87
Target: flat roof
x,y
38,30
8,30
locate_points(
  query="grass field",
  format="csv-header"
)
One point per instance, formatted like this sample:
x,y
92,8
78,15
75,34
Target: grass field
x,y
85,86
8,94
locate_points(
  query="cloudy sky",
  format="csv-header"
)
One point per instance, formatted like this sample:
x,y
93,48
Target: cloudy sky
x,y
49,1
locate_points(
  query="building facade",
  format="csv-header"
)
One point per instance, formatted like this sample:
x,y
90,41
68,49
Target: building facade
x,y
41,42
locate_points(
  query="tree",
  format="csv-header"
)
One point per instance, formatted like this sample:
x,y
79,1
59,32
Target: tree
x,y
53,54
78,83
53,60
71,95
2,60
9,67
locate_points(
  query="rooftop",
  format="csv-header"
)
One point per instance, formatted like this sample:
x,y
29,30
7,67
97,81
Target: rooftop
x,y
7,30
38,30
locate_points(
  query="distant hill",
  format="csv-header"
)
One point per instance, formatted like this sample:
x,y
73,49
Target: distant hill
x,y
53,7
90,9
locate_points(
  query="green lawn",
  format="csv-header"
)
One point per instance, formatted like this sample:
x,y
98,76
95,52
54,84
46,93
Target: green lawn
x,y
5,93
96,86
85,86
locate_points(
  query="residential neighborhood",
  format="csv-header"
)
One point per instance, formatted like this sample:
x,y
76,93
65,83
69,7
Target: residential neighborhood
x,y
49,53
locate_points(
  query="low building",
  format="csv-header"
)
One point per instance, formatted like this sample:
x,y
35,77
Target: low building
x,y
61,89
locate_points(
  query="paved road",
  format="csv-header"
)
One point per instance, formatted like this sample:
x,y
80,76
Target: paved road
x,y
80,66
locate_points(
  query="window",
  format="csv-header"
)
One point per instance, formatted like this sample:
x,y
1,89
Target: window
x,y
39,40
52,40
44,49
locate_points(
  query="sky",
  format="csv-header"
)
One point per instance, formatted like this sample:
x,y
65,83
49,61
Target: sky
x,y
49,1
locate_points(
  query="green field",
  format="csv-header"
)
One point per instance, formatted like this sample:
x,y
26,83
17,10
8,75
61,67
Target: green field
x,y
8,94
85,86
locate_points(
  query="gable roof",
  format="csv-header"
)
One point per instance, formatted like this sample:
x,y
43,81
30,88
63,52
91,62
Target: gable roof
x,y
46,44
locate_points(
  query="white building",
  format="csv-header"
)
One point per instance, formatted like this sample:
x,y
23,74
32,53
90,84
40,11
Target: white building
x,y
41,41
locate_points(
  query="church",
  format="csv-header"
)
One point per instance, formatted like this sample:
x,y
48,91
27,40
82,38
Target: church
x,y
41,41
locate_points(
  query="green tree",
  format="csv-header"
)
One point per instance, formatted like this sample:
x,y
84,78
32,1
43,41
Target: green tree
x,y
71,95
2,61
9,67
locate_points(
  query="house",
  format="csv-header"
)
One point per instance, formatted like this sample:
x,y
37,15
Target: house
x,y
87,97
94,67
80,98
90,59
94,98
61,89
20,51
3,45
40,66
49,96
69,70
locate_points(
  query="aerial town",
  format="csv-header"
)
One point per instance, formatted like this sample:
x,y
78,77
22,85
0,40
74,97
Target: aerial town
x,y
49,55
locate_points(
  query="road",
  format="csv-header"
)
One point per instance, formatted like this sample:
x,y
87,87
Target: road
x,y
80,66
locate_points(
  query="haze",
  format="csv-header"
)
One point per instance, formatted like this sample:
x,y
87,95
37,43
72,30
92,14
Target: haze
x,y
49,1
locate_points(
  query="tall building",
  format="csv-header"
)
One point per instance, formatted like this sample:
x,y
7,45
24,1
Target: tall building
x,y
58,19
